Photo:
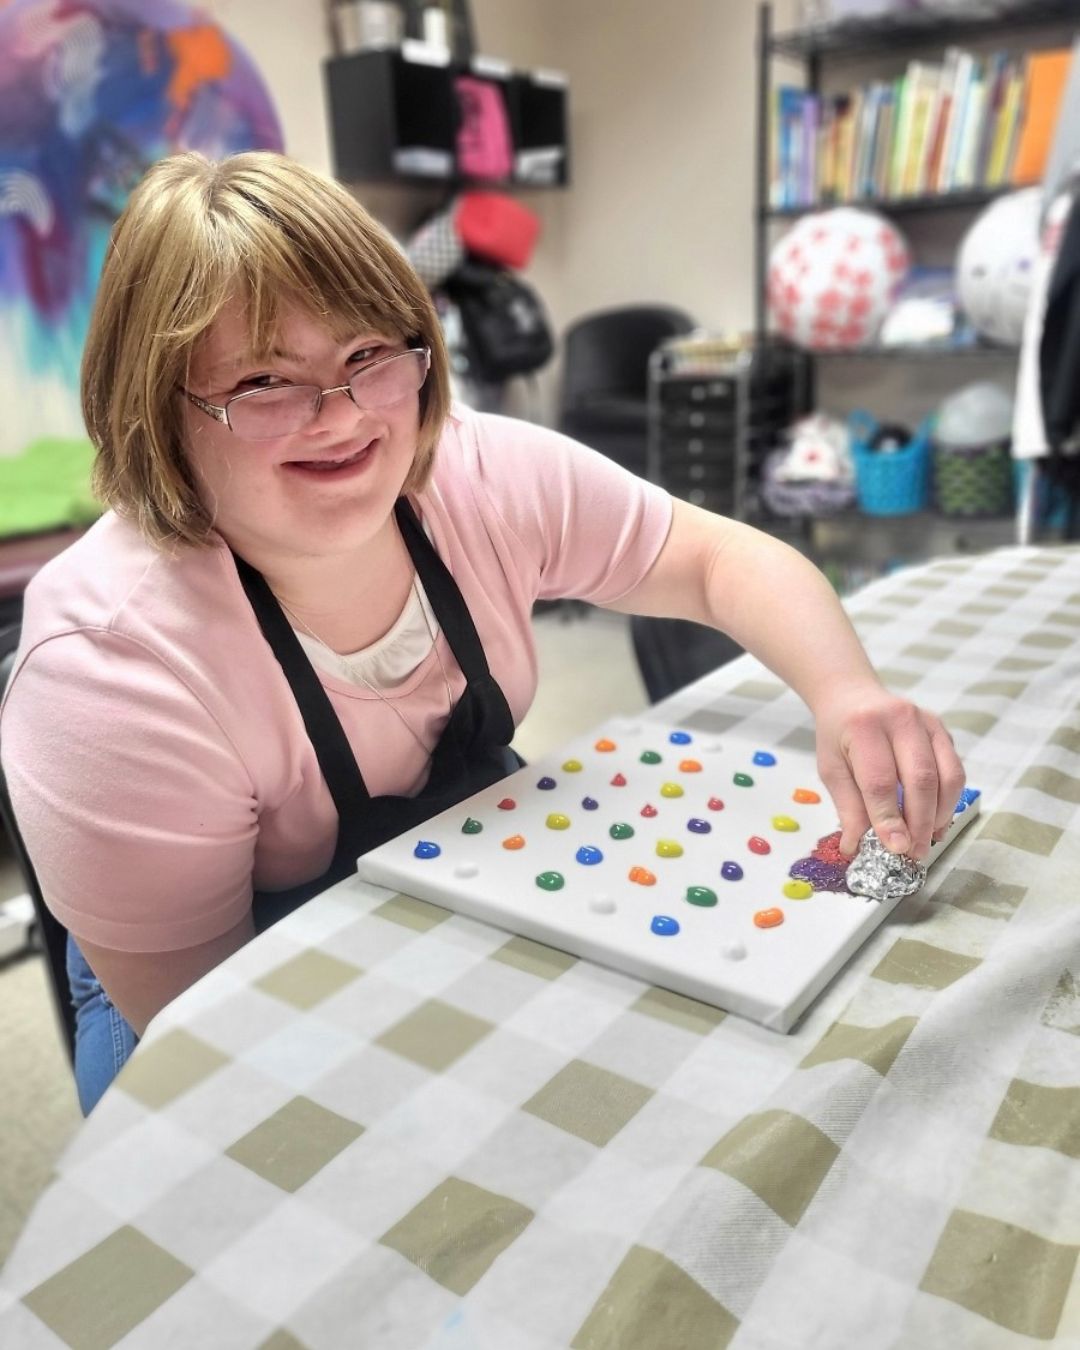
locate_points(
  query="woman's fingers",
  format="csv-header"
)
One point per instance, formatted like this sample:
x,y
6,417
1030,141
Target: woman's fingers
x,y
951,776
879,750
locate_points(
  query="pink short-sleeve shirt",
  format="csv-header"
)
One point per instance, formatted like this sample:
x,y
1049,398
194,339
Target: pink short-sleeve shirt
x,y
155,755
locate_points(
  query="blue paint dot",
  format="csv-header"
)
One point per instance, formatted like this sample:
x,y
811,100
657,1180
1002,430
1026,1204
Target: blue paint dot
x,y
680,738
731,871
664,926
764,759
589,803
697,826
426,849
546,784
588,855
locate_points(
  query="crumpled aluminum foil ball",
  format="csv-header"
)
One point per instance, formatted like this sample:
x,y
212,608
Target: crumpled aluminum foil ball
x,y
881,875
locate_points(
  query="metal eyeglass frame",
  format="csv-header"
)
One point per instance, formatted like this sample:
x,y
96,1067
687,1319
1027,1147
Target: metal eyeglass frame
x,y
220,412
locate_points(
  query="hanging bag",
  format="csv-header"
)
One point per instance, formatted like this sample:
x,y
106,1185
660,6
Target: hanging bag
x,y
506,329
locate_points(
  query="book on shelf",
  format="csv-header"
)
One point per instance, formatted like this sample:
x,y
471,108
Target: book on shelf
x,y
965,123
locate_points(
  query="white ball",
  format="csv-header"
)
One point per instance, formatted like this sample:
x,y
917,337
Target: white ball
x,y
996,265
833,277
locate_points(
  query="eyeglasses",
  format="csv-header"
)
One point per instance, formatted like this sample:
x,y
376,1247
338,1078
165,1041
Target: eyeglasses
x,y
282,409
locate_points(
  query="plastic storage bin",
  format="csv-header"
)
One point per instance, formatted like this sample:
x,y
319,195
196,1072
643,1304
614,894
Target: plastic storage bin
x,y
890,483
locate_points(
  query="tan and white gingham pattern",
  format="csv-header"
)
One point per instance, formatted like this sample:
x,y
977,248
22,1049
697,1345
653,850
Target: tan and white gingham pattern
x,y
384,1126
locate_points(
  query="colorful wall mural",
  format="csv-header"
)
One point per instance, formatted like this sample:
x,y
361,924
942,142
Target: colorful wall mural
x,y
91,93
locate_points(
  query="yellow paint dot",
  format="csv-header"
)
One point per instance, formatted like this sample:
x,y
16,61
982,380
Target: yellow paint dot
x,y
572,766
798,890
671,790
668,848
785,823
557,821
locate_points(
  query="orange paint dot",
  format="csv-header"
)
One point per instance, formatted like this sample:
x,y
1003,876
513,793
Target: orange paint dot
x,y
805,795
769,918
642,876
689,766
515,841
604,745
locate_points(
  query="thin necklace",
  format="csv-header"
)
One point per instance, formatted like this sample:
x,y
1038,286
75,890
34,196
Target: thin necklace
x,y
374,689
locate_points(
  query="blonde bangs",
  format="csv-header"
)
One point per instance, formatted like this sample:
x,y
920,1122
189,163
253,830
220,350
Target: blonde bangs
x,y
195,235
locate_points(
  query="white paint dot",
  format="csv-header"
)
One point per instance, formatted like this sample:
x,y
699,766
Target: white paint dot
x,y
602,904
466,870
733,951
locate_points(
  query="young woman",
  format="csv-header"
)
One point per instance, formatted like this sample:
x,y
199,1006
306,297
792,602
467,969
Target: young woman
x,y
304,625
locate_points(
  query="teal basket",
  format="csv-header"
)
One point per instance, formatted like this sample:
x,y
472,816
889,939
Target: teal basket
x,y
890,483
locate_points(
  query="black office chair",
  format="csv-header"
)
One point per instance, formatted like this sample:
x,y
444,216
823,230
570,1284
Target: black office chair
x,y
50,931
603,400
672,653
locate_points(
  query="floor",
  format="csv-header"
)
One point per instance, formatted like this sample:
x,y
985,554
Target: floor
x,y
587,673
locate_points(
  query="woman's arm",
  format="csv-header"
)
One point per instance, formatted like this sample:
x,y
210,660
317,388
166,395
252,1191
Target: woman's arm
x,y
770,599
142,983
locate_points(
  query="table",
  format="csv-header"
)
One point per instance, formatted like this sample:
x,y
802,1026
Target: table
x,y
382,1125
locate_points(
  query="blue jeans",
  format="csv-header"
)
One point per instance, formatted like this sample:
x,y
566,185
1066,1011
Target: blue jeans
x,y
103,1039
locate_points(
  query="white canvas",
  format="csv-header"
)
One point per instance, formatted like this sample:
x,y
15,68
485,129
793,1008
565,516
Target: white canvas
x,y
718,955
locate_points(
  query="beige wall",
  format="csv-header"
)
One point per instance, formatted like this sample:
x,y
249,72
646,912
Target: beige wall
x,y
662,129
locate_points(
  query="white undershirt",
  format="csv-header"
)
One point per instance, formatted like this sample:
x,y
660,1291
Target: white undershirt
x,y
389,661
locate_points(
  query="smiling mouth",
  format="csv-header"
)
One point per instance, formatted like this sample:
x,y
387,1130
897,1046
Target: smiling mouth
x,y
330,465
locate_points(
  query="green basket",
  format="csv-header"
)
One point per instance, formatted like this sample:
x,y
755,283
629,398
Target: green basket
x,y
973,482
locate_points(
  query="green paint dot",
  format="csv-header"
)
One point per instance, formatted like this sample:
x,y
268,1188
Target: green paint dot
x,y
701,895
650,757
551,881
621,831
743,780
471,826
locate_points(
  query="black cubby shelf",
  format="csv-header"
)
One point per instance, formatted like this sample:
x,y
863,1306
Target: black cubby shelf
x,y
394,117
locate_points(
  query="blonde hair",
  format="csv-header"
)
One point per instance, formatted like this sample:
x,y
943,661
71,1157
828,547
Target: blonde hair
x,y
194,236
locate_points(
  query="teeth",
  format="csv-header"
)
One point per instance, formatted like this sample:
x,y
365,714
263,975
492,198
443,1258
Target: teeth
x,y
326,464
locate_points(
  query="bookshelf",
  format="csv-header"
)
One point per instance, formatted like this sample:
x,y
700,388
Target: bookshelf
x,y
910,185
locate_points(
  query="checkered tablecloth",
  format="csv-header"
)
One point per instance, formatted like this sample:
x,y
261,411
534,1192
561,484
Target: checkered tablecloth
x,y
380,1125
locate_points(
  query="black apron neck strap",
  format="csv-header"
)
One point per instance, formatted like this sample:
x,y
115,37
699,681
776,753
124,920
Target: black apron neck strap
x,y
446,600
335,756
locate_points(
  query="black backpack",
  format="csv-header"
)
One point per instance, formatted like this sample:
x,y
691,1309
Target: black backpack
x,y
504,322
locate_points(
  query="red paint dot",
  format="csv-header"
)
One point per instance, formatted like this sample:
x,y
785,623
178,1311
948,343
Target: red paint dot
x,y
758,845
715,804
648,811
507,804
618,781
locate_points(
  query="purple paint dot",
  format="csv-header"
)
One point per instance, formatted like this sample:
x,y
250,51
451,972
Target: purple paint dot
x,y
697,826
426,849
589,803
546,784
731,871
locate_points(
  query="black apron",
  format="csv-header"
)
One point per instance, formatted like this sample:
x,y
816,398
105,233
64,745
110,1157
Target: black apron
x,y
472,752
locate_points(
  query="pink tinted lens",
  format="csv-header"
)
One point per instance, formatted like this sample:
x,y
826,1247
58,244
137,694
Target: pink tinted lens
x,y
266,413
389,381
